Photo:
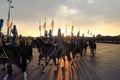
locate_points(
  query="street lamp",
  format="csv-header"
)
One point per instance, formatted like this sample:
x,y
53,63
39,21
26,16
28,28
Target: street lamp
x,y
8,20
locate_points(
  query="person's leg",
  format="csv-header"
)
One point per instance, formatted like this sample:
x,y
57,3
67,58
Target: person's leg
x,y
24,66
8,65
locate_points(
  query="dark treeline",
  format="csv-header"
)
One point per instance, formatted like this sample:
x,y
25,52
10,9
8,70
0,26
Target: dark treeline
x,y
108,39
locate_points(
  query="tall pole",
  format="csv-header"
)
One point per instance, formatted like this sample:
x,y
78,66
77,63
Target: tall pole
x,y
45,26
66,30
79,31
72,29
88,32
40,27
8,20
52,24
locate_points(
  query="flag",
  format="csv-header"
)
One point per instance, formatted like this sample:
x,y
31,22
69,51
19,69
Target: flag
x,y
11,25
50,33
72,28
8,23
88,32
72,31
83,35
91,33
52,24
66,30
39,27
14,30
78,34
44,25
1,23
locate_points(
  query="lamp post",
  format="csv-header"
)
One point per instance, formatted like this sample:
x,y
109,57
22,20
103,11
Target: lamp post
x,y
8,20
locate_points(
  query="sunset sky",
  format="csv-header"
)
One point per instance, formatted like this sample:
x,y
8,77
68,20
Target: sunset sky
x,y
99,16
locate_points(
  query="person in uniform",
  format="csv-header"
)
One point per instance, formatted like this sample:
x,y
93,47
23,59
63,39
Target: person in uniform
x,y
50,40
92,45
3,56
59,44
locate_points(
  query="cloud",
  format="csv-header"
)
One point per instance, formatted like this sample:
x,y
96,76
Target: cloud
x,y
90,1
93,11
68,11
82,12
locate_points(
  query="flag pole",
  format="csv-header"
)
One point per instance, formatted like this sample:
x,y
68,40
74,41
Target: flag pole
x,y
40,27
72,29
52,23
79,30
88,33
45,23
10,28
8,20
66,30
44,26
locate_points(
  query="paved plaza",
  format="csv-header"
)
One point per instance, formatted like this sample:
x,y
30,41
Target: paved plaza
x,y
104,66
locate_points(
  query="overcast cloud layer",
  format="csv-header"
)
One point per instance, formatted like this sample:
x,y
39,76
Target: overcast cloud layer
x,y
82,12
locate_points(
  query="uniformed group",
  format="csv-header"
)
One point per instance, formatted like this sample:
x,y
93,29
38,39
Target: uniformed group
x,y
48,38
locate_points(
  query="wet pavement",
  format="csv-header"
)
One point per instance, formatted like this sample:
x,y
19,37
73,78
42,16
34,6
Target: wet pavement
x,y
104,66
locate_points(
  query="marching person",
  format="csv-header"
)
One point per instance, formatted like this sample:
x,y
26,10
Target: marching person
x,y
3,56
50,40
59,44
92,45
23,56
15,45
5,61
